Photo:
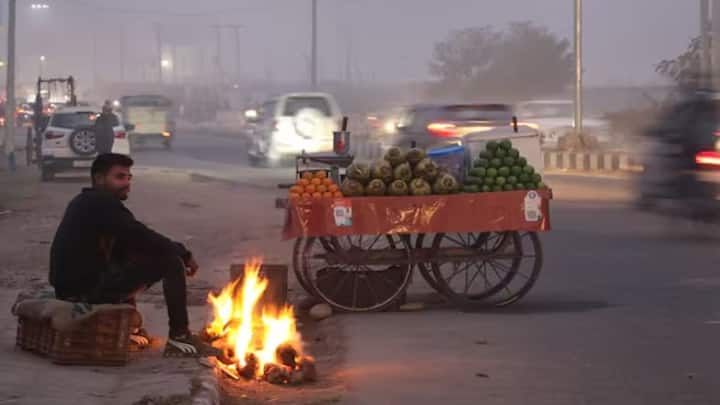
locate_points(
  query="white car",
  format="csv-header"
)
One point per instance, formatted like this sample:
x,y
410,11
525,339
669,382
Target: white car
x,y
555,118
291,124
68,141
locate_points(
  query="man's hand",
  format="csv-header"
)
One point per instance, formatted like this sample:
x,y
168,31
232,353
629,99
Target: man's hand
x,y
191,267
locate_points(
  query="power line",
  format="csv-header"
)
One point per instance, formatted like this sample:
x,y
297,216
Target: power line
x,y
166,13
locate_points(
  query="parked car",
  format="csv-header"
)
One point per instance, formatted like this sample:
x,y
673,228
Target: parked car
x,y
68,140
431,126
556,118
293,123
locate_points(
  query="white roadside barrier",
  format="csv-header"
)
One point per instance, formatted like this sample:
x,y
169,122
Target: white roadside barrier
x,y
609,161
365,149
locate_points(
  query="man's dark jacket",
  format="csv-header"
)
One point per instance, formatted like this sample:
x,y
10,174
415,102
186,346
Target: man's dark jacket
x,y
79,252
104,133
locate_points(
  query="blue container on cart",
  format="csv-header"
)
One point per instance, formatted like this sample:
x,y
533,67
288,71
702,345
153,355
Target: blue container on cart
x,y
450,158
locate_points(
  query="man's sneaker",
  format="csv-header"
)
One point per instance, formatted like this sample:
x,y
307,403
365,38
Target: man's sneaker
x,y
187,345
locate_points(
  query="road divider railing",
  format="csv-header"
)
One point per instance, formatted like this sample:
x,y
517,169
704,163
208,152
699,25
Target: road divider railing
x,y
366,149
607,161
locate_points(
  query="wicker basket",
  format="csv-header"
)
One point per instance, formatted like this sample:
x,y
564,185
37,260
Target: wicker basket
x,y
102,340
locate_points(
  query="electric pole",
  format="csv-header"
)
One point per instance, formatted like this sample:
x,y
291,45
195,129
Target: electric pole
x,y
159,62
238,57
122,54
10,88
579,69
313,57
218,56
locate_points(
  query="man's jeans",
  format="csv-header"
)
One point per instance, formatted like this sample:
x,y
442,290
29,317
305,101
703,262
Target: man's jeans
x,y
123,281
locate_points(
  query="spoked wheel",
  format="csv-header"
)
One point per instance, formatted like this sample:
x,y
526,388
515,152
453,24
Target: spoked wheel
x,y
305,255
426,267
470,267
359,273
525,273
298,263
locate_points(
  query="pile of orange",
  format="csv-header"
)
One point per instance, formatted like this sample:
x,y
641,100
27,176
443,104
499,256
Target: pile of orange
x,y
314,185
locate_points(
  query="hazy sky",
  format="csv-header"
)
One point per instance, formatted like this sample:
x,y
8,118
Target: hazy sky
x,y
387,39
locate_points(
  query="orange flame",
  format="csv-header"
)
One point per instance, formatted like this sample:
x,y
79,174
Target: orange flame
x,y
242,328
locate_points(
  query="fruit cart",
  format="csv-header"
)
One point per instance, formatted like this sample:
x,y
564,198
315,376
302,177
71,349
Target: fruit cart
x,y
357,250
358,254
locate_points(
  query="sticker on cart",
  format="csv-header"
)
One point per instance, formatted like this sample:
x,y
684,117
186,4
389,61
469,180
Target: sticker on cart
x,y
532,205
342,212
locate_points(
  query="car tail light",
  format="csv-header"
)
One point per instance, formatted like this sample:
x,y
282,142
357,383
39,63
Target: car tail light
x,y
442,129
708,158
717,133
53,135
120,135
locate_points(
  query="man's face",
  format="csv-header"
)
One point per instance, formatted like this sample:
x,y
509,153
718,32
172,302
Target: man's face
x,y
116,181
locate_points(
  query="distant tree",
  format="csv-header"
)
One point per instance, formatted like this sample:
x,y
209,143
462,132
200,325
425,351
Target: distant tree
x,y
525,60
684,67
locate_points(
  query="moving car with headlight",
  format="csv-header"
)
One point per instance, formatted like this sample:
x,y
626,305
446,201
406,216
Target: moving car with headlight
x,y
438,125
291,124
556,118
681,159
68,140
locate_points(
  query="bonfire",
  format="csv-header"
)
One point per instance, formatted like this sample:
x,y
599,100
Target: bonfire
x,y
258,342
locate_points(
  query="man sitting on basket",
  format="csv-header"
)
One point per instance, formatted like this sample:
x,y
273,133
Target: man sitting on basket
x,y
102,255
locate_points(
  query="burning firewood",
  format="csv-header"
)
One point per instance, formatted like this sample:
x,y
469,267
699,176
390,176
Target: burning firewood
x,y
307,367
286,354
249,371
252,339
297,377
228,371
277,373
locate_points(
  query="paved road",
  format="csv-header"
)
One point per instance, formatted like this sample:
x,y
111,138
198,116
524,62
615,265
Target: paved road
x,y
201,146
623,314
224,157
626,311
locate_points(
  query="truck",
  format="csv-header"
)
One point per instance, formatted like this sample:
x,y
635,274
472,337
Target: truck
x,y
152,117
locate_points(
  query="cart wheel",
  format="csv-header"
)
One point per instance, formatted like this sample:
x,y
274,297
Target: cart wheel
x,y
298,262
357,287
425,267
476,278
523,279
304,253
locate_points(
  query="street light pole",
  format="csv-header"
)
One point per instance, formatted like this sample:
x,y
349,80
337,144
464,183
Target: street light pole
x,y
715,52
705,39
42,65
313,57
238,56
10,88
578,69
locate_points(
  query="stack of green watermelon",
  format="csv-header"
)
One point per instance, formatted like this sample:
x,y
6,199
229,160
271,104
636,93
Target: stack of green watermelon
x,y
501,168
